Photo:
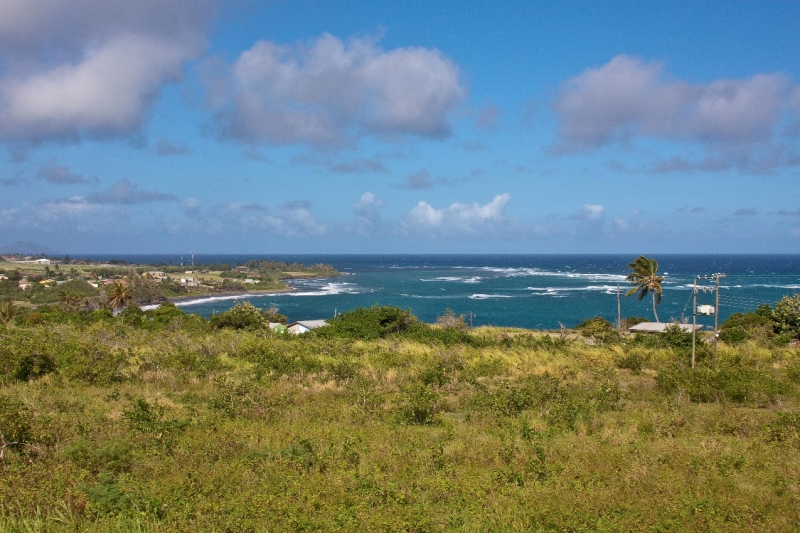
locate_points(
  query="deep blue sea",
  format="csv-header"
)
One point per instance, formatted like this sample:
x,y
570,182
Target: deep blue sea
x,y
530,291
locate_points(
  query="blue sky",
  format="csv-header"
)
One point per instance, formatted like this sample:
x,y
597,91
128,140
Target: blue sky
x,y
404,127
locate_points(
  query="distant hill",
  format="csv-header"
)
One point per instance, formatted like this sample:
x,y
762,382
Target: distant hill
x,y
26,248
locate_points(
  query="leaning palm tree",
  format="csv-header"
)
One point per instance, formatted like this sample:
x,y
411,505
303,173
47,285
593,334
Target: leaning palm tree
x,y
644,278
118,295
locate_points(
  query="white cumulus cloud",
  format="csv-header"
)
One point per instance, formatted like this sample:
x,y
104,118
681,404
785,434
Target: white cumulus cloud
x,y
331,91
629,96
78,68
459,219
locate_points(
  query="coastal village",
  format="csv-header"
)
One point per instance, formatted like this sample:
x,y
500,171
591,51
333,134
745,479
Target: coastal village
x,y
30,281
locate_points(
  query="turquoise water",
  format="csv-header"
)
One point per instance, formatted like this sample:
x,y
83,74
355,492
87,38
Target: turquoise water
x,y
531,291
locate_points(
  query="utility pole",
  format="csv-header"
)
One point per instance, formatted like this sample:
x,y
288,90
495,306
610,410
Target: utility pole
x,y
717,276
694,320
192,259
181,259
619,312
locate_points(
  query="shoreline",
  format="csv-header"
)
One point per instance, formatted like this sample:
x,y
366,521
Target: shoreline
x,y
180,299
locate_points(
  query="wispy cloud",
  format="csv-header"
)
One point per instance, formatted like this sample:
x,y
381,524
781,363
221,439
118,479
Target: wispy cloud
x,y
165,147
125,192
54,172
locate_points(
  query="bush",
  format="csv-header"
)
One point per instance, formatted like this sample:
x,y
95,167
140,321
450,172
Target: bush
x,y
735,382
110,456
740,327
449,320
14,421
243,315
599,328
34,365
368,323
633,359
787,316
419,404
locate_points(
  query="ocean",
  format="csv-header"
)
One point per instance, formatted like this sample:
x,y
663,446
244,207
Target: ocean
x,y
528,291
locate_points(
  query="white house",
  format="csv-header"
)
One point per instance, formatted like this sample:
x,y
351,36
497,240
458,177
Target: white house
x,y
42,261
304,326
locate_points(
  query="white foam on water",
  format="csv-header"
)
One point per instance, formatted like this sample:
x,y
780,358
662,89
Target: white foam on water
x,y
454,279
328,289
212,299
522,272
488,296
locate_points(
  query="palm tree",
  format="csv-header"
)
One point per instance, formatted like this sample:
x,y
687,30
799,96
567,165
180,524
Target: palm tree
x,y
644,278
68,298
7,311
118,295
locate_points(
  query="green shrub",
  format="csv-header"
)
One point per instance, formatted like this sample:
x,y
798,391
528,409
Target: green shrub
x,y
15,422
34,365
600,329
785,428
786,316
368,323
107,496
419,404
632,359
110,456
243,315
735,382
740,327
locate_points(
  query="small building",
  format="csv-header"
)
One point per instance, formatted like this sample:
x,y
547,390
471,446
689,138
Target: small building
x,y
242,268
25,285
250,281
304,326
189,282
42,261
277,327
661,327
155,275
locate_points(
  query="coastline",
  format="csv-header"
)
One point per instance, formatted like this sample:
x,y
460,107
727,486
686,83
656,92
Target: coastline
x,y
228,294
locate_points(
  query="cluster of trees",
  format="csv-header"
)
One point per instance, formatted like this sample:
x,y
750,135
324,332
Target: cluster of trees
x,y
780,323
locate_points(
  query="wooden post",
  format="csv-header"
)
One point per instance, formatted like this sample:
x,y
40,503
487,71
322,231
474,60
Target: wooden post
x,y
619,312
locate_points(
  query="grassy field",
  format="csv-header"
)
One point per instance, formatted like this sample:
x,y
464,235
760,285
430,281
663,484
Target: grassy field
x,y
171,425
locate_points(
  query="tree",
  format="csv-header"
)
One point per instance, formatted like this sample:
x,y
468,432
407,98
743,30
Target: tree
x,y
787,315
644,278
118,295
7,311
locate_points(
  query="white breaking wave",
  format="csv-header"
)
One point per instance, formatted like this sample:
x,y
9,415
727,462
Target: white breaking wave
x,y
211,299
329,289
488,296
522,272
461,279
609,289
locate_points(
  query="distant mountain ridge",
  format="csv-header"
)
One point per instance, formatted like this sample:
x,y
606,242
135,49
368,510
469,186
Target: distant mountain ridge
x,y
26,248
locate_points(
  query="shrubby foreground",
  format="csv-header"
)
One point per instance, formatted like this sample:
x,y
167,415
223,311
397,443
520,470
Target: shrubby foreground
x,y
161,421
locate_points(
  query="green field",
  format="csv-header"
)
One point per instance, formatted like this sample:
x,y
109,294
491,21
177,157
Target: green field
x,y
162,421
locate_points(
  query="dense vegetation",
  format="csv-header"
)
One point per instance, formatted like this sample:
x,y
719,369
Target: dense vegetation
x,y
162,421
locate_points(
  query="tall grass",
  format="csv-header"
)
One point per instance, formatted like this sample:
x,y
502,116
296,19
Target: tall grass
x,y
184,428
